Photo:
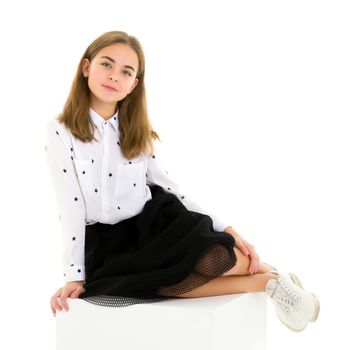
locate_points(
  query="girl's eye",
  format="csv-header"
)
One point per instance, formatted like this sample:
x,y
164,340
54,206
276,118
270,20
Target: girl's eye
x,y
104,63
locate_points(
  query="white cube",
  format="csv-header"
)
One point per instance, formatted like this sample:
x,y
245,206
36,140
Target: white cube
x,y
235,321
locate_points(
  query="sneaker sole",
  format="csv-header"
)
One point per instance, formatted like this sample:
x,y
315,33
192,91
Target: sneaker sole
x,y
293,329
296,280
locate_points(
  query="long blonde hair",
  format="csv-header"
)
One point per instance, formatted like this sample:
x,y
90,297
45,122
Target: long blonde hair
x,y
136,133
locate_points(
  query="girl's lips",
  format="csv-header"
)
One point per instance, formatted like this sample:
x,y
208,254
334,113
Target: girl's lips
x,y
109,88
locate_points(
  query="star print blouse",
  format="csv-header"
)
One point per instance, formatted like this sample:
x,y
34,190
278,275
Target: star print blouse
x,y
93,182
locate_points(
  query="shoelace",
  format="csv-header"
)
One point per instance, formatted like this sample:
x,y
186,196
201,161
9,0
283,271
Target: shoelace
x,y
285,296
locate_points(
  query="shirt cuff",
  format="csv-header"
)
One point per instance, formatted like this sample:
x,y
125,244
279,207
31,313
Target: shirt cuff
x,y
219,226
74,273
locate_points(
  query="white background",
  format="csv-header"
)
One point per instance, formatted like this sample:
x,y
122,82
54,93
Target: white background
x,y
251,100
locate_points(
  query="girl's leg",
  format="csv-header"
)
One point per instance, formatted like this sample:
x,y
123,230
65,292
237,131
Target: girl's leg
x,y
242,265
236,280
231,285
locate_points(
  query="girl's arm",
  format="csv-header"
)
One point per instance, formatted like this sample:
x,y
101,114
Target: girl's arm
x,y
70,201
157,174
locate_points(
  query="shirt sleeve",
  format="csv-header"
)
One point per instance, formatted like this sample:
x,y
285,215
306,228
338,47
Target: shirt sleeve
x,y
158,175
70,201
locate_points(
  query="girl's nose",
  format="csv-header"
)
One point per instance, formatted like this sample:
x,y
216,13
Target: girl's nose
x,y
113,76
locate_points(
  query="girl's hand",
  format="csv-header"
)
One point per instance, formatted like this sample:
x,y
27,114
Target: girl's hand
x,y
246,248
71,289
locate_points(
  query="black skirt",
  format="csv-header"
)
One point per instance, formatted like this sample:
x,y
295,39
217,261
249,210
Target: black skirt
x,y
162,252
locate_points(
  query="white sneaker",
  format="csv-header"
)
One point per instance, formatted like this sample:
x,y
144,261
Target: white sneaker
x,y
294,306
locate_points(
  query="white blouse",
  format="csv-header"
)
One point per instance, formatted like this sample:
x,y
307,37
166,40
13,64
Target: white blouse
x,y
93,182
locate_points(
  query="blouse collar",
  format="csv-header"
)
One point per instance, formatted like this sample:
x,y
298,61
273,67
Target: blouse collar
x,y
99,121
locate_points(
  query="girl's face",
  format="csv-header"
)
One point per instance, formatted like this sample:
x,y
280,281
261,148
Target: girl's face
x,y
115,66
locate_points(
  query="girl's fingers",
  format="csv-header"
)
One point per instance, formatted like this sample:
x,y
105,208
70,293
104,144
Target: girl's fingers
x,y
53,310
246,251
242,247
59,300
254,262
254,268
63,300
76,293
53,302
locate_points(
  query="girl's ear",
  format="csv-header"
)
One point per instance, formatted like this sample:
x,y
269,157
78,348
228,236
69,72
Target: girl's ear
x,y
85,67
133,85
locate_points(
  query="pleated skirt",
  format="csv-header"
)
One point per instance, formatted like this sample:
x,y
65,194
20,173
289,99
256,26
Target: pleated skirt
x,y
162,252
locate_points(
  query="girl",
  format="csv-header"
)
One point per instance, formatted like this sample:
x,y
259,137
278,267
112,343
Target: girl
x,y
130,235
